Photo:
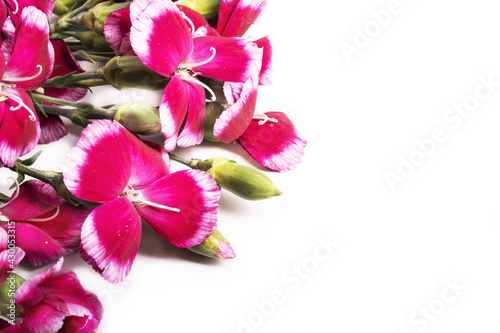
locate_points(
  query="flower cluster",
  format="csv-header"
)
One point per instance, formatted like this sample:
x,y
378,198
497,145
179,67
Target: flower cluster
x,y
118,175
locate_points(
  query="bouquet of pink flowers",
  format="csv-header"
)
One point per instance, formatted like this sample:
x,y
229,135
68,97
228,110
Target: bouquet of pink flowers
x,y
118,175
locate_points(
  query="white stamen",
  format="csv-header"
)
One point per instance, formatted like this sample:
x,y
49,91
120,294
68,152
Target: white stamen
x,y
135,196
45,219
20,104
188,20
20,79
198,82
196,64
17,7
14,195
263,118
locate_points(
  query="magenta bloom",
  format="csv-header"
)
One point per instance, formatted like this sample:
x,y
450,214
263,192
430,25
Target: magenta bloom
x,y
46,226
165,41
55,301
10,255
273,141
29,66
130,180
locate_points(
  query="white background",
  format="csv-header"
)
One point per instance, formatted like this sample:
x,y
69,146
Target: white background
x,y
399,249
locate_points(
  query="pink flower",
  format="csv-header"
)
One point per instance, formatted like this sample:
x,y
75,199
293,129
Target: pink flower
x,y
273,141
55,301
131,181
46,227
162,38
29,66
10,255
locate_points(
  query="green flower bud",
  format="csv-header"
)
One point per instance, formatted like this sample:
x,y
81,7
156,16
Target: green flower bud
x,y
244,181
94,18
91,40
213,111
129,72
142,119
61,7
208,8
215,246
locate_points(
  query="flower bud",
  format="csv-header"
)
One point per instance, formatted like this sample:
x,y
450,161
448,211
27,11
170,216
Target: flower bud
x,y
61,7
208,8
91,40
129,72
244,181
213,111
215,246
94,18
142,119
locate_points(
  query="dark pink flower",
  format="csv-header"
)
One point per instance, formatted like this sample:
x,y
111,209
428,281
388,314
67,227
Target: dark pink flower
x,y
117,31
130,180
29,66
55,301
46,226
16,7
165,41
10,255
273,141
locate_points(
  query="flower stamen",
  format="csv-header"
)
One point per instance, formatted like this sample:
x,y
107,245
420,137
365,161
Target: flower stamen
x,y
264,118
135,197
20,104
14,195
20,79
45,219
188,20
185,72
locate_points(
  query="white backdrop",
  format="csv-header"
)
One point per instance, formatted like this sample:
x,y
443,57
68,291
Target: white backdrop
x,y
392,222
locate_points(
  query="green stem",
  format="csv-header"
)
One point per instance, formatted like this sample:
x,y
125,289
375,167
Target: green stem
x,y
44,176
87,108
186,161
64,21
93,56
81,80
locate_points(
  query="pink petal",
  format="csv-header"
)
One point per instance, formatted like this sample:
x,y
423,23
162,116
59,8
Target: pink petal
x,y
18,133
160,36
276,146
234,59
195,194
29,293
45,6
117,31
196,18
226,252
266,72
98,168
33,57
52,128
56,235
42,318
3,15
3,239
146,160
35,198
236,16
9,259
192,133
110,238
173,110
233,122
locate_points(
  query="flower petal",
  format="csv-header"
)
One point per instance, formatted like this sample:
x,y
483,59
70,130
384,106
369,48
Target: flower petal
x,y
110,238
52,129
276,146
233,122
173,109
195,194
98,168
18,133
146,159
266,72
234,59
236,16
33,57
196,18
117,31
192,133
9,259
160,35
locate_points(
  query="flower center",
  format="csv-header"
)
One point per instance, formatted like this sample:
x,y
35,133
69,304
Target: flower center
x,y
264,118
135,197
186,72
